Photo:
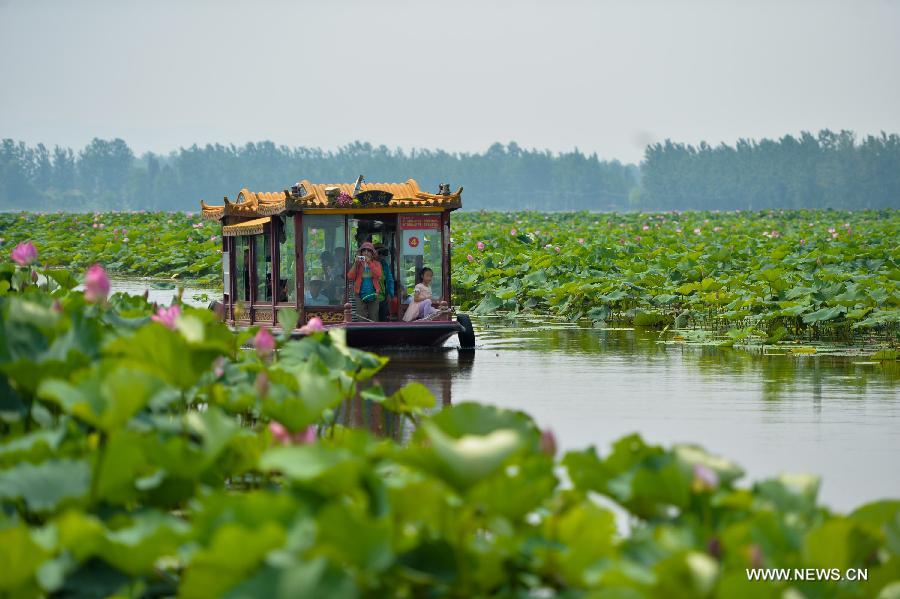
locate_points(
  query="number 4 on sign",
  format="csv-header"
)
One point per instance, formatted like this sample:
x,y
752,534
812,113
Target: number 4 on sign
x,y
412,242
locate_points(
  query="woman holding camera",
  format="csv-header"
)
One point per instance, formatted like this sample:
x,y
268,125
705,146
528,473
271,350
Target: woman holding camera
x,y
366,276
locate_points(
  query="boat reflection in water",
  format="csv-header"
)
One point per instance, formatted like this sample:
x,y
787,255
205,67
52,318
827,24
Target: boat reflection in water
x,y
436,368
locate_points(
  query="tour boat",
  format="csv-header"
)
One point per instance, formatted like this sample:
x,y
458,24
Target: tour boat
x,y
292,250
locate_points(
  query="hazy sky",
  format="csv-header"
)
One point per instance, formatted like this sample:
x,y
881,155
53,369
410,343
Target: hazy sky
x,y
604,76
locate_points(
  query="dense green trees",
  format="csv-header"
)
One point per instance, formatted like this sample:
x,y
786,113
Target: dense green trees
x,y
830,170
106,175
810,171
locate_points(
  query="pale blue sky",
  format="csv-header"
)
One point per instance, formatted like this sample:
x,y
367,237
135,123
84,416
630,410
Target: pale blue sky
x,y
603,76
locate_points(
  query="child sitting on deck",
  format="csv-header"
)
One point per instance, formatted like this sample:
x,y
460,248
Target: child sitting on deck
x,y
420,307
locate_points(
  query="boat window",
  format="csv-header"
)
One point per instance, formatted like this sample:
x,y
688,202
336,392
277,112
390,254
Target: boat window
x,y
420,246
263,268
287,271
242,268
324,260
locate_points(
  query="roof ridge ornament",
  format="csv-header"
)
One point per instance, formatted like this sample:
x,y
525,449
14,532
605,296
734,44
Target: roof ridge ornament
x,y
297,190
358,186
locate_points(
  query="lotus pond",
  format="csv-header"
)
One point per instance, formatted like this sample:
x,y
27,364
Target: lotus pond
x,y
754,276
145,454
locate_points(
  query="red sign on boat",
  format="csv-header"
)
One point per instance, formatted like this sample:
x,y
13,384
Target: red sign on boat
x,y
420,221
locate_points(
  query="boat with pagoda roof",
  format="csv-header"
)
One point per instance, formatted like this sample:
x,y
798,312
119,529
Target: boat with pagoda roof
x,y
293,251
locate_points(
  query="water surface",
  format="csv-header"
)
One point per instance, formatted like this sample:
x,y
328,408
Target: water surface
x,y
772,414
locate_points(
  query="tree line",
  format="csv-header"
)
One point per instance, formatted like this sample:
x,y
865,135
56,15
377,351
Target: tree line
x,y
828,170
810,171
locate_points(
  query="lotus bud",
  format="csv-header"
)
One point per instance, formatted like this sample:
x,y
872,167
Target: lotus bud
x,y
315,325
705,478
264,342
96,284
548,442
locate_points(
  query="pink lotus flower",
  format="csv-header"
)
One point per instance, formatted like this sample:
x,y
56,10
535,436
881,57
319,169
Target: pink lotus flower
x,y
314,325
678,230
101,225
264,342
124,240
717,229
189,215
556,249
95,225
802,242
283,436
167,316
645,228
697,231
96,284
214,238
197,225
480,245
512,231
470,257
581,240
24,254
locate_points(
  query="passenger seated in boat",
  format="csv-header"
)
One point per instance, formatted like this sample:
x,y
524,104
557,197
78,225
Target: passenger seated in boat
x,y
335,283
366,276
420,306
312,294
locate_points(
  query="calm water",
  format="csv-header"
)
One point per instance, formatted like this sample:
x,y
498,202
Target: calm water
x,y
771,414
162,296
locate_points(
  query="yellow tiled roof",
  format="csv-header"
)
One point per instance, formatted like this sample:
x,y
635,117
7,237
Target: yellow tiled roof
x,y
250,203
250,227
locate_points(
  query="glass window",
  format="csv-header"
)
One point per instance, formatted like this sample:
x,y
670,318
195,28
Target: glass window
x,y
324,260
242,268
263,268
420,246
287,268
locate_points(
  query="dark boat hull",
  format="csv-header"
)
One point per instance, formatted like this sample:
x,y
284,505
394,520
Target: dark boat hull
x,y
380,334
399,334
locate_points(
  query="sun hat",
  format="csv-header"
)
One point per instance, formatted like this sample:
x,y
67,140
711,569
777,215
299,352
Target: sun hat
x,y
367,246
